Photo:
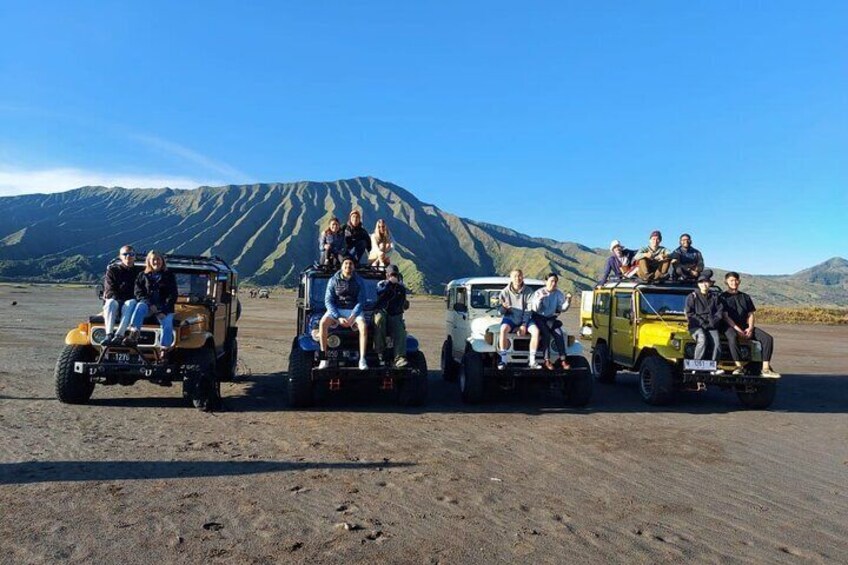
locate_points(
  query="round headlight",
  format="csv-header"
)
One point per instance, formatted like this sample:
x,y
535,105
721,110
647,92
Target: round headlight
x,y
675,343
98,335
334,341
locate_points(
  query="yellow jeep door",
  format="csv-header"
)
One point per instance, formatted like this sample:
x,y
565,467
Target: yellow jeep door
x,y
622,328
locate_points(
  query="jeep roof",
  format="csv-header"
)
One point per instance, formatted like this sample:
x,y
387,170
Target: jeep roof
x,y
489,280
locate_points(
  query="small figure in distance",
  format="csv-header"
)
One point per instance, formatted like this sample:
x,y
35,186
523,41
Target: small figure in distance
x,y
357,240
688,261
119,295
344,300
654,260
546,305
739,316
156,292
515,307
619,265
332,244
704,312
388,315
381,245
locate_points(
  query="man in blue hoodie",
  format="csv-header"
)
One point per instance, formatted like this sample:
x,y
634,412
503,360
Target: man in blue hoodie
x,y
344,300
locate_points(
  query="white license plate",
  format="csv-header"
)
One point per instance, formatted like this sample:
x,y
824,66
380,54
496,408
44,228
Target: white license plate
x,y
699,365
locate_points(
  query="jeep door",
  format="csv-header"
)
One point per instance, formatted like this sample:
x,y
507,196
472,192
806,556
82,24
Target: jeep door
x,y
458,320
622,328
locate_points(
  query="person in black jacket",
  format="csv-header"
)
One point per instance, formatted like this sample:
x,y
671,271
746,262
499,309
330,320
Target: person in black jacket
x,y
739,320
705,312
388,315
118,294
357,240
156,292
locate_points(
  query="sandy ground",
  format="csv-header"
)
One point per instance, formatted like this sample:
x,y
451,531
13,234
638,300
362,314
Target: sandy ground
x,y
138,477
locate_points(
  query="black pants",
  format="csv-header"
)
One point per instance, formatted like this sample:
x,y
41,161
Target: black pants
x,y
549,329
763,337
356,252
330,259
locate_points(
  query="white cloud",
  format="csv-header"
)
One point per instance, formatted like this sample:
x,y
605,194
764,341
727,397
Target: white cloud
x,y
14,181
169,147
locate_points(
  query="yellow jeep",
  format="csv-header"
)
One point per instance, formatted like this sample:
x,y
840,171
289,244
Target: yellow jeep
x,y
205,349
642,328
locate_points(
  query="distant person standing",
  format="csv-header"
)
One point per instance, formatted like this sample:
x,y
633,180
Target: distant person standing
x,y
704,312
332,244
381,245
653,260
688,261
357,240
619,264
119,295
739,316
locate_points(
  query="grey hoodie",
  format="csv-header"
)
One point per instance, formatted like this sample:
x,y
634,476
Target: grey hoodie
x,y
516,305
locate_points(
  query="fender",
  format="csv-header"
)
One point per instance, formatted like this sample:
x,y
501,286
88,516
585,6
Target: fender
x,y
480,345
411,343
306,343
77,336
194,340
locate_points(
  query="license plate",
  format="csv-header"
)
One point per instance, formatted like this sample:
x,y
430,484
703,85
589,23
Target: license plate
x,y
699,365
117,357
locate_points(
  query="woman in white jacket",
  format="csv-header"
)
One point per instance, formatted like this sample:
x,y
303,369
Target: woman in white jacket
x,y
381,245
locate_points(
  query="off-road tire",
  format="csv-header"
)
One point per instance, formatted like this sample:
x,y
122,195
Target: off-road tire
x,y
73,388
202,387
450,368
761,398
656,381
300,385
578,382
229,362
413,391
471,381
603,367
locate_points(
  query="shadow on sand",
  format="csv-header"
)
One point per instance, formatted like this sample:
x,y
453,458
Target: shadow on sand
x,y
30,472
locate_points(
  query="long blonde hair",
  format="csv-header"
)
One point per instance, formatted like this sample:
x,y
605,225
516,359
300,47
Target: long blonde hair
x,y
386,236
148,262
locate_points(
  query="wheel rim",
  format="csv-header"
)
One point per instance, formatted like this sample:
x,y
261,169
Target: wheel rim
x,y
646,382
597,366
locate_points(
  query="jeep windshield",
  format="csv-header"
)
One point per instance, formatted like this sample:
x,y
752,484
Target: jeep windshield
x,y
486,296
662,303
192,283
318,287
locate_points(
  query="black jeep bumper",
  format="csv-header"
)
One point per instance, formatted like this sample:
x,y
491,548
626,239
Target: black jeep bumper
x,y
725,380
356,374
115,373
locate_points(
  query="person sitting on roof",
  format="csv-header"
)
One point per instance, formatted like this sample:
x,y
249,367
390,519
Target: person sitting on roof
x,y
381,245
619,265
119,296
653,260
332,244
344,299
546,304
515,306
357,240
688,261
388,315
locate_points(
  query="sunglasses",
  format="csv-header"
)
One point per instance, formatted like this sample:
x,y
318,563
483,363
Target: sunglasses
x,y
127,254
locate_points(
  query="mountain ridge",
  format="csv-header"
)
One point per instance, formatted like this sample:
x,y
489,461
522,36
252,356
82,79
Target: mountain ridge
x,y
269,232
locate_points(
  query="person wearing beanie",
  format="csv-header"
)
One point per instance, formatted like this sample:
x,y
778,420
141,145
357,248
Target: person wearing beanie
x,y
388,316
654,260
704,312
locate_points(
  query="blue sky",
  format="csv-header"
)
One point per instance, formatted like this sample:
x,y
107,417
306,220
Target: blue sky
x,y
575,121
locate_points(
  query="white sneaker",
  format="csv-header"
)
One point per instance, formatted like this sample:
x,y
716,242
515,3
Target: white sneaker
x,y
323,364
535,365
363,364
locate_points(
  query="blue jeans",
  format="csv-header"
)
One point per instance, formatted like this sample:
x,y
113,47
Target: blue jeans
x,y
360,247
111,308
165,320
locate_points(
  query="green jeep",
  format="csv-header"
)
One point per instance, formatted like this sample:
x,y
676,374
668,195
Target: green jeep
x,y
642,328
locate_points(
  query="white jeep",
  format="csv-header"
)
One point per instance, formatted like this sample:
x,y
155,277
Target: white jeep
x,y
470,350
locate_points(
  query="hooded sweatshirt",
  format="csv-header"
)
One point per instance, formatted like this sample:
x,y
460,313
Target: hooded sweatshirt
x,y
515,304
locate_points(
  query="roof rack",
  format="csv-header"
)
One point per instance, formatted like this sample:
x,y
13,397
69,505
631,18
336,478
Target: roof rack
x,y
214,261
636,283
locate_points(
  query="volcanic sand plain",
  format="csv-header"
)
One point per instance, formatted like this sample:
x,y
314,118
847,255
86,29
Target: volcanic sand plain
x,y
137,477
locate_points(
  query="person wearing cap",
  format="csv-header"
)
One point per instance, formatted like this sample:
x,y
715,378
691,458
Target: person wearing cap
x,y
357,240
739,317
515,307
119,295
705,312
688,261
619,264
653,260
344,300
388,315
